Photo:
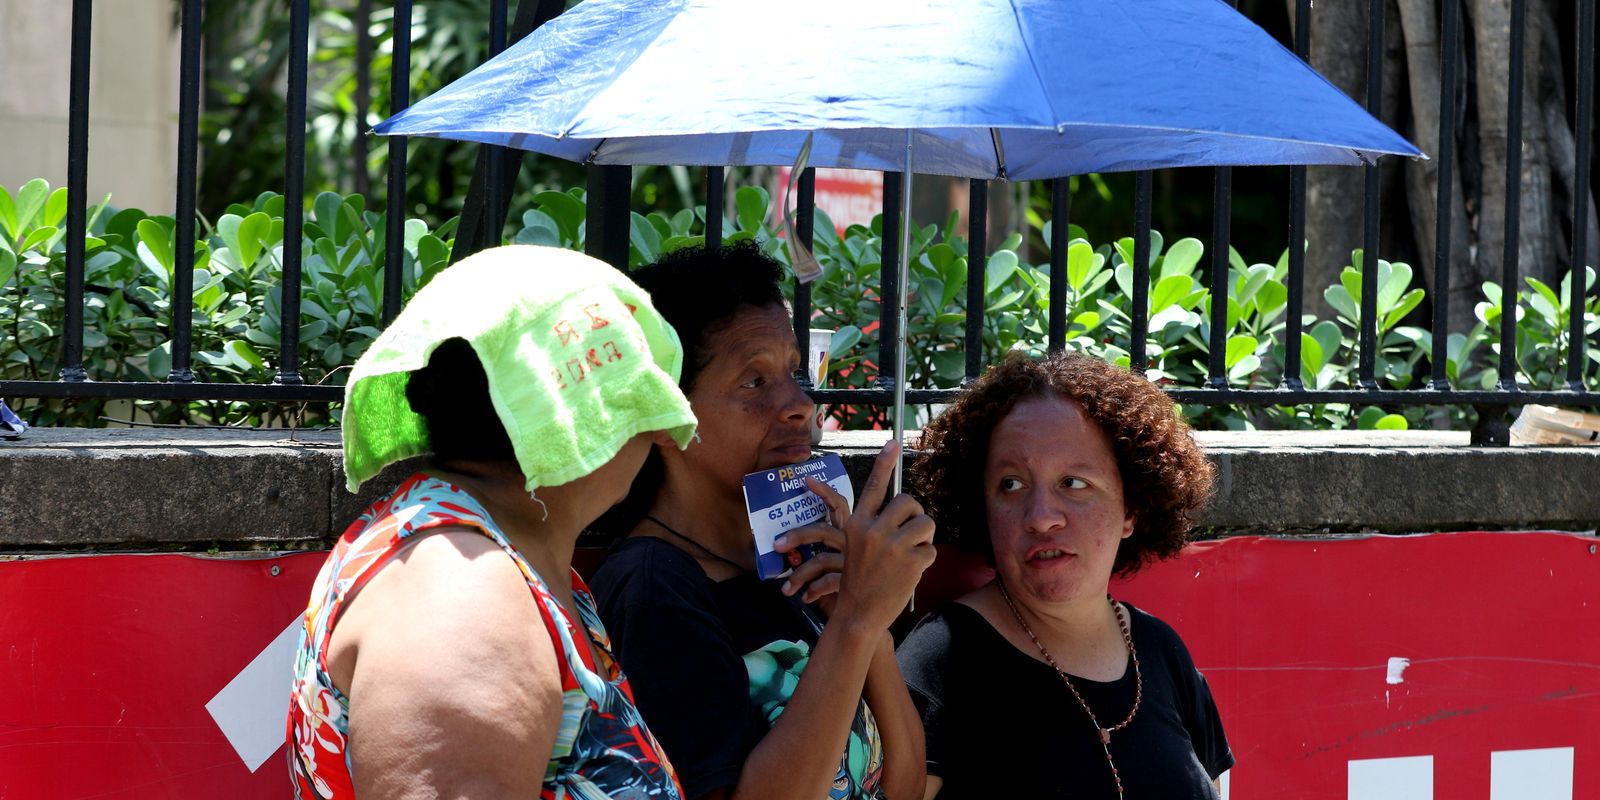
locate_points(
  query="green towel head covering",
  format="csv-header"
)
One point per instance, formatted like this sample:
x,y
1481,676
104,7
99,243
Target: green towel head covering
x,y
578,362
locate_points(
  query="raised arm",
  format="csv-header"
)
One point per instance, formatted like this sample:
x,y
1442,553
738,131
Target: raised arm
x,y
885,548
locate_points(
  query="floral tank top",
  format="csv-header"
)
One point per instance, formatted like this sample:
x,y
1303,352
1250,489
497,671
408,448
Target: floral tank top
x,y
603,749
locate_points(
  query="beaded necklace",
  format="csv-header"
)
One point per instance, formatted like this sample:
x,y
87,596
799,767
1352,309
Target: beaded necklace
x,y
1138,679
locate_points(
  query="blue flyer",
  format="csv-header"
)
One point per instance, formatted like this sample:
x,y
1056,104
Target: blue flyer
x,y
778,500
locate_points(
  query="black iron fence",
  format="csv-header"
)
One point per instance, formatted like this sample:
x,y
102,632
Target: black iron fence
x,y
608,228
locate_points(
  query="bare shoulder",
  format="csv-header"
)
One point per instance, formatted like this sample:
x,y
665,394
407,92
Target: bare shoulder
x,y
454,684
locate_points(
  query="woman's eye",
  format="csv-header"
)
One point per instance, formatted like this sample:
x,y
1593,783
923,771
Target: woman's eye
x,y
1074,483
755,382
1010,484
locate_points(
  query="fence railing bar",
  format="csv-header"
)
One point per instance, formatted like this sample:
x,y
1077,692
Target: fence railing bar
x,y
1296,279
805,211
312,393
360,146
1366,365
977,272
1138,355
889,283
1577,349
715,195
72,369
294,205
1221,287
1267,397
1512,253
181,324
1448,42
394,240
606,220
495,190
1060,219
1221,228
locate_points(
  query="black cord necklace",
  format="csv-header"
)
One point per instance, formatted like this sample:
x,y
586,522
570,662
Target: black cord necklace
x,y
702,548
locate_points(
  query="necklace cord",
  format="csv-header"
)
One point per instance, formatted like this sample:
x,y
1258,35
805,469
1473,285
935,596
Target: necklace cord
x,y
1138,678
702,548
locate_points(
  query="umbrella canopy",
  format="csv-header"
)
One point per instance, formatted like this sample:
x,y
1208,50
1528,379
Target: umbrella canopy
x,y
1017,89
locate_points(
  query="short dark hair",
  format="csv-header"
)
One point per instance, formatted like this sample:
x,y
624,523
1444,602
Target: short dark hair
x,y
1166,479
698,290
451,394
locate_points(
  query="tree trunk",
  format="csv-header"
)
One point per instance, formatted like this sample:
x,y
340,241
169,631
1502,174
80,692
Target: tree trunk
x,y
1420,27
1563,157
1537,237
1333,194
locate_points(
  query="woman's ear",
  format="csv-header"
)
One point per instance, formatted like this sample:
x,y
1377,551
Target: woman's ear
x,y
663,440
1128,522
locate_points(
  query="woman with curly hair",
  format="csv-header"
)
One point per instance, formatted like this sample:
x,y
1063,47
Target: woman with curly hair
x,y
1063,472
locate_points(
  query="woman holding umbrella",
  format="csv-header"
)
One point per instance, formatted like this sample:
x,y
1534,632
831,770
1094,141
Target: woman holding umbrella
x,y
449,648
1063,472
751,694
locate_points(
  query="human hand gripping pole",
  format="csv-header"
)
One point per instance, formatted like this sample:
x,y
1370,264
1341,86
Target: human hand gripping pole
x,y
882,549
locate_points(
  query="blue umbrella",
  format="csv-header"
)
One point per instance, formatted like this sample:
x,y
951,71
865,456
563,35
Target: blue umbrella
x,y
1013,89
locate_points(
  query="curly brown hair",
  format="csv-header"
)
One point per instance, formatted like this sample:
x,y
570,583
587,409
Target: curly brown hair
x,y
1166,479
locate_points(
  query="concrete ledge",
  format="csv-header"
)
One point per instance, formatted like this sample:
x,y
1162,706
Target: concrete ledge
x,y
195,489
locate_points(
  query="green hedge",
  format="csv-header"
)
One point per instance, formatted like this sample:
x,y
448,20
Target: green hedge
x,y
238,264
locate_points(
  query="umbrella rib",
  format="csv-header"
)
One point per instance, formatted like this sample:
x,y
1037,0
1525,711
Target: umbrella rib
x,y
999,154
1027,47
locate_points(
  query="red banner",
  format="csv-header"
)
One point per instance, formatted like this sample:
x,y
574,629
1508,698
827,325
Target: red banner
x,y
1444,665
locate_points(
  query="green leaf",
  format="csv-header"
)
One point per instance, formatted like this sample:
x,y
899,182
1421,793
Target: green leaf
x,y
1002,265
1250,282
8,266
1327,335
1246,367
159,243
1411,300
1088,321
644,237
843,339
1238,348
1082,264
1182,258
1391,422
566,210
752,203
55,208
1311,357
949,366
325,210
30,198
1339,297
158,362
1169,291
1395,280
1271,297
254,234
8,214
243,354
1368,419
538,228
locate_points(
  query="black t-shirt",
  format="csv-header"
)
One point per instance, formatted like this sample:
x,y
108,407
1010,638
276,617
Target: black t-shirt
x,y
712,664
1000,723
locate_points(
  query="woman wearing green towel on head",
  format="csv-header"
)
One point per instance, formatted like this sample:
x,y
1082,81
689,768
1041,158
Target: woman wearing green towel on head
x,y
449,648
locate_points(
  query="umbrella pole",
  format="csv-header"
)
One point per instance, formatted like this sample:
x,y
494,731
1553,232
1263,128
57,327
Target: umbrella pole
x,y
900,343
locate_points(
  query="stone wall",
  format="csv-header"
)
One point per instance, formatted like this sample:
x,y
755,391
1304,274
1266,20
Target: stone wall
x,y
161,489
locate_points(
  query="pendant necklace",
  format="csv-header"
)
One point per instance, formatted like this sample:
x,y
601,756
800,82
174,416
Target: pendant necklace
x,y
1138,679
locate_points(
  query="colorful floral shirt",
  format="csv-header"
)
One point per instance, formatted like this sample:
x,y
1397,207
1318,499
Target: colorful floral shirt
x,y
603,748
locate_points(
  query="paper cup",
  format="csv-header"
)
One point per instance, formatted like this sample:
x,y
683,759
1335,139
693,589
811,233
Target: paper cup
x,y
817,367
